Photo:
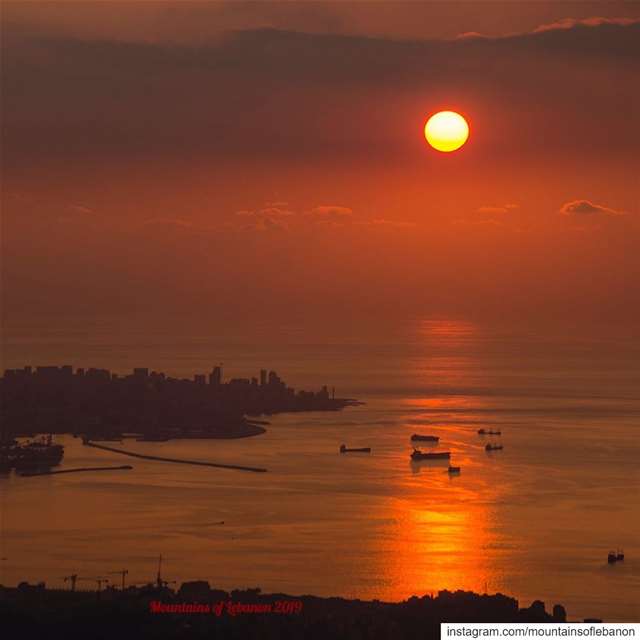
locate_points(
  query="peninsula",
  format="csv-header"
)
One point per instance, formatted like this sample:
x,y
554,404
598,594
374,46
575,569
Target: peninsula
x,y
99,404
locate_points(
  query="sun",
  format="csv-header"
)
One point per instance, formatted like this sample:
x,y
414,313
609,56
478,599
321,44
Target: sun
x,y
446,131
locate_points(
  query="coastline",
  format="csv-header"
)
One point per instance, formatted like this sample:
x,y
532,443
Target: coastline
x,y
248,613
104,404
248,430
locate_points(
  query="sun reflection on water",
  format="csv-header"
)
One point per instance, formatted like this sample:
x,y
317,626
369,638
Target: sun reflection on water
x,y
444,535
438,545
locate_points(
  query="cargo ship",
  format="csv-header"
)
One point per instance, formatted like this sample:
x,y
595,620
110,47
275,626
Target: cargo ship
x,y
36,454
416,437
419,455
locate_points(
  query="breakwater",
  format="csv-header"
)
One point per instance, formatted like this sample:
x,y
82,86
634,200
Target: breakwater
x,y
28,474
216,465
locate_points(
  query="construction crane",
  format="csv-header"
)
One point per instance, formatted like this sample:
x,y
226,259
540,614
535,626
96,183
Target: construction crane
x,y
122,573
159,577
72,579
160,583
98,579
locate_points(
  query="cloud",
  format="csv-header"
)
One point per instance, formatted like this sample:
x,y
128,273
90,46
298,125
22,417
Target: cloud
x,y
330,214
265,219
272,210
272,217
572,23
77,214
63,84
275,216
325,216
496,210
470,35
266,224
587,208
565,24
80,208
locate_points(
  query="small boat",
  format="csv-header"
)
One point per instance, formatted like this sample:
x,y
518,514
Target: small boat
x,y
345,449
493,447
453,471
612,557
619,555
419,455
488,432
417,437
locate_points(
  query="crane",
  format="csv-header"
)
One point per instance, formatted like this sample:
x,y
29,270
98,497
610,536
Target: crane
x,y
159,578
72,578
122,573
98,579
160,583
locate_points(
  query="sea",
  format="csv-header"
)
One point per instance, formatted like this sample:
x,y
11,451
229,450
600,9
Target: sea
x,y
534,520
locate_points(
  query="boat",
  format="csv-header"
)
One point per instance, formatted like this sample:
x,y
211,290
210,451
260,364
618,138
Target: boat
x,y
418,438
453,471
7,455
39,453
441,455
488,432
619,555
612,557
345,449
493,447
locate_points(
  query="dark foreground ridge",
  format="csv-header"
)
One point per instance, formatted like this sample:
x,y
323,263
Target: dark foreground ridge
x,y
102,405
33,611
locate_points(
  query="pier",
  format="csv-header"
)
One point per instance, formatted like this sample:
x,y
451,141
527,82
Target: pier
x,y
217,465
49,472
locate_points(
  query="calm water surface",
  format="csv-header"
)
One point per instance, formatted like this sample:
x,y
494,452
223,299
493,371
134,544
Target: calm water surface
x,y
534,520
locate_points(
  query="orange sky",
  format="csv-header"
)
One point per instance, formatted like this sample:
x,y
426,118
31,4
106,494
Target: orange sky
x,y
155,161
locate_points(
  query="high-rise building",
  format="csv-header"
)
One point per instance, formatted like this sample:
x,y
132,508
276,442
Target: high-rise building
x,y
274,379
215,377
263,377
